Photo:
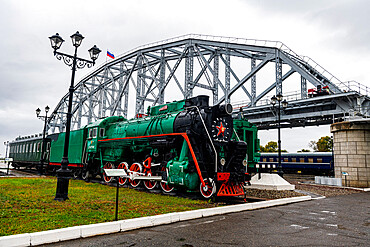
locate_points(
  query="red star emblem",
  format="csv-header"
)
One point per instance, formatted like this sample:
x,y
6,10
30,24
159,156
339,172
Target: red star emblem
x,y
221,129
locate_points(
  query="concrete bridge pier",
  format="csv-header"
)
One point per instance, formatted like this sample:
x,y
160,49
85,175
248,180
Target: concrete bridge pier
x,y
352,152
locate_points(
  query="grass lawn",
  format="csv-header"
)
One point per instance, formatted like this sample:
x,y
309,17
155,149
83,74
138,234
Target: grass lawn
x,y
27,205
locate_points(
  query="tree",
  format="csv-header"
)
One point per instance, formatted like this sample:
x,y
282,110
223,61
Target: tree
x,y
324,144
271,147
304,150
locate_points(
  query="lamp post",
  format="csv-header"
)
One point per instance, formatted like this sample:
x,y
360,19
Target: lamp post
x,y
43,146
284,104
6,143
63,174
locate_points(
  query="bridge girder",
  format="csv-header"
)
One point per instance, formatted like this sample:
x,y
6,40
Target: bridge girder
x,y
185,64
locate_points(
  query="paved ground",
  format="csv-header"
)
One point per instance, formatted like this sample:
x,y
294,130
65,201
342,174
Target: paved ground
x,y
334,221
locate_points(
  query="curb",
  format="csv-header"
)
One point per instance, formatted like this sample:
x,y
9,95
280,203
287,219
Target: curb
x,y
75,232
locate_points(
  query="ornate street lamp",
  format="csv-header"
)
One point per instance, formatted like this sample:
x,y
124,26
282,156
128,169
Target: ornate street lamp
x,y
75,62
277,99
43,146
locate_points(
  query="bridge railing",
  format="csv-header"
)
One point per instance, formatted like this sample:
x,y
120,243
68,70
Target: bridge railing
x,y
357,87
289,96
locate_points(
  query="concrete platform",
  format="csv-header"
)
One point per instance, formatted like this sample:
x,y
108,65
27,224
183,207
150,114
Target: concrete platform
x,y
268,181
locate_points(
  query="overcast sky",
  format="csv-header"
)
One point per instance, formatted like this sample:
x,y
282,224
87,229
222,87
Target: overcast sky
x,y
335,33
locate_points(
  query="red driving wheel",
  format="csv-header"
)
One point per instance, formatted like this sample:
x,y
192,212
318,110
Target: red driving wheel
x,y
149,184
135,168
107,179
166,187
123,180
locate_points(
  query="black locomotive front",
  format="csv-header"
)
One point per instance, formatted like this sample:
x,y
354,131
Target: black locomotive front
x,y
221,158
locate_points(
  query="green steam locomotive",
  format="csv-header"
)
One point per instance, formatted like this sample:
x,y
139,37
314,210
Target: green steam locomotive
x,y
186,145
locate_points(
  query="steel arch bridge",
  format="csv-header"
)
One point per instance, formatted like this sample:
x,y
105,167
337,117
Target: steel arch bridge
x,y
222,67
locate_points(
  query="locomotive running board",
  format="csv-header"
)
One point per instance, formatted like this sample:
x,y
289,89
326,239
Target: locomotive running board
x,y
156,178
123,174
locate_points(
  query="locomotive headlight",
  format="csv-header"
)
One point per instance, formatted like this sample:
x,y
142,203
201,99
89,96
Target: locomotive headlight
x,y
227,108
245,162
222,161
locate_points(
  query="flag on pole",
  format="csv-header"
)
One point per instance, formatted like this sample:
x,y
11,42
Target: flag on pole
x,y
110,55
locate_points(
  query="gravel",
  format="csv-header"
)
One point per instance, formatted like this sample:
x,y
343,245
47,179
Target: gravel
x,y
323,190
270,194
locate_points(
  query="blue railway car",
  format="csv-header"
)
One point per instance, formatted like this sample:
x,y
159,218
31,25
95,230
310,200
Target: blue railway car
x,y
318,163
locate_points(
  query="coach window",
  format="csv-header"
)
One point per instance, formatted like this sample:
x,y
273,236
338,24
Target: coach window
x,y
102,132
34,147
271,159
294,159
38,147
90,133
264,159
286,159
310,160
319,160
301,160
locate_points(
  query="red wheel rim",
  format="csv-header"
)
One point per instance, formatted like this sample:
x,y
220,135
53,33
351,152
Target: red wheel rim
x,y
148,183
135,168
208,190
121,180
107,179
166,187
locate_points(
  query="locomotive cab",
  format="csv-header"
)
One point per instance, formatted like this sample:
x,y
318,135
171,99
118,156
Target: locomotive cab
x,y
97,131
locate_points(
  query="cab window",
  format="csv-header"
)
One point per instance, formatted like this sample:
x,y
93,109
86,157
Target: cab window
x,y
95,132
102,132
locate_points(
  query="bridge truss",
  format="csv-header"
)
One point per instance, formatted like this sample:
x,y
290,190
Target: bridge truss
x,y
182,67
